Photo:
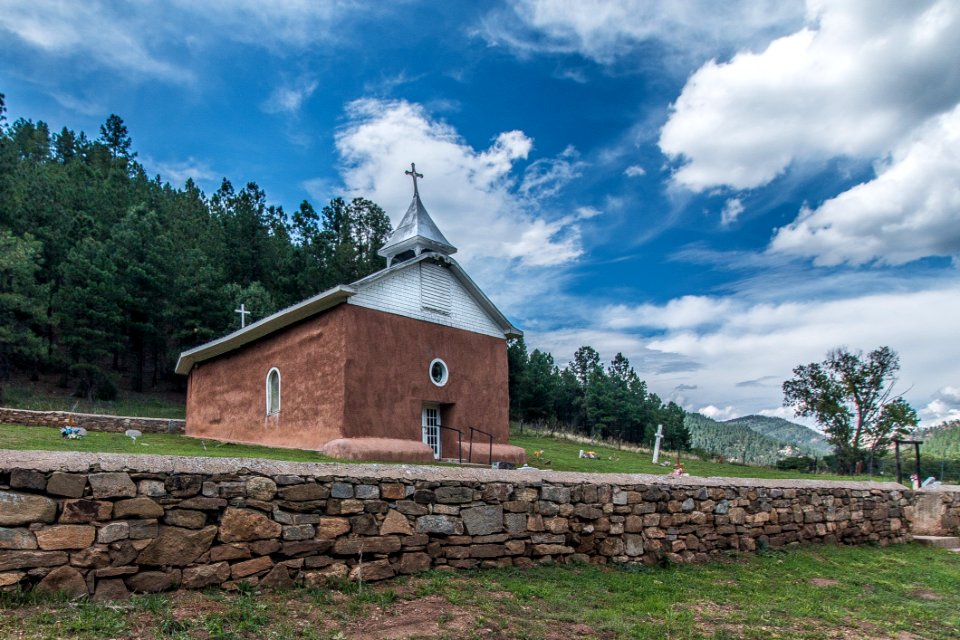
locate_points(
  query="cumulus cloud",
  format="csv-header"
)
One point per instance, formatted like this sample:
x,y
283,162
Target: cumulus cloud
x,y
634,171
464,188
716,413
288,98
687,312
176,172
855,80
943,406
607,32
909,211
731,211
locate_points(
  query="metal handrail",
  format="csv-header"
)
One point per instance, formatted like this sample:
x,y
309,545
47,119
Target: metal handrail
x,y
489,435
459,441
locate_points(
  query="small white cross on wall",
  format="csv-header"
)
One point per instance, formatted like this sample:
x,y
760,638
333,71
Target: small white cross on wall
x,y
243,315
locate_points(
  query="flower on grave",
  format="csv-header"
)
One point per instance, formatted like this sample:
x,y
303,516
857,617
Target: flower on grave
x,y
72,433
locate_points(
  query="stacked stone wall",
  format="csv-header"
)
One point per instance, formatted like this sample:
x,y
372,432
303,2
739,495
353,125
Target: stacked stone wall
x,y
89,421
109,525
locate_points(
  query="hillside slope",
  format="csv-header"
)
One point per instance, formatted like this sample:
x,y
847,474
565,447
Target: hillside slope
x,y
733,441
784,431
942,441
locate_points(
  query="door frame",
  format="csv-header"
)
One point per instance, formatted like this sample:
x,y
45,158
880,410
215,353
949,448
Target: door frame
x,y
431,439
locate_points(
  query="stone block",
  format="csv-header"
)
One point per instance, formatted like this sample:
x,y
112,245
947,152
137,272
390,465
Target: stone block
x,y
445,525
28,479
65,536
250,567
205,575
454,495
392,491
633,544
235,551
341,490
260,488
395,523
11,578
152,488
371,571
25,508
550,549
141,507
587,512
83,510
496,492
153,581
111,589
64,580
411,508
112,485
560,495
143,529
515,523
202,503
183,485
18,539
366,492
298,532
325,576
414,562
305,492
177,547
10,560
364,525
241,525
305,547
112,532
445,509
277,578
483,520
186,518
611,547
329,527
265,547
487,551
70,485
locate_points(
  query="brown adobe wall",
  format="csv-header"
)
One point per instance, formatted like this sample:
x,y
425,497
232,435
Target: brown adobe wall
x,y
107,524
387,378
89,421
226,396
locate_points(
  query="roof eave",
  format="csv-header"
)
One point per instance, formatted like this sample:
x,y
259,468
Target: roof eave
x,y
284,317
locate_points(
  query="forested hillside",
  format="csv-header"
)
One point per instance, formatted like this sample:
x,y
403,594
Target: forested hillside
x,y
609,402
737,442
107,273
785,431
942,441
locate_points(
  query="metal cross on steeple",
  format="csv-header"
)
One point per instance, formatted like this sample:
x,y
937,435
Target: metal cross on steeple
x,y
413,174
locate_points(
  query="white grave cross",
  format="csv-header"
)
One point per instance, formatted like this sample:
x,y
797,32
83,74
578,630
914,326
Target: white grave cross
x,y
656,446
243,315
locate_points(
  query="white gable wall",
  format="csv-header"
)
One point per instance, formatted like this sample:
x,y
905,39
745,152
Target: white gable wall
x,y
420,292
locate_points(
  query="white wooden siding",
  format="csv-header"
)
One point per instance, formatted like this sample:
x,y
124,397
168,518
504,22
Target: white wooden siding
x,y
402,293
434,288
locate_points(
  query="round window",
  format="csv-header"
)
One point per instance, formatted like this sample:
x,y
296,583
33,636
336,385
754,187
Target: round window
x,y
438,372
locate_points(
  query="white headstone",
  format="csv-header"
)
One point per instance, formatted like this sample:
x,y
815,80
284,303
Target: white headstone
x,y
656,445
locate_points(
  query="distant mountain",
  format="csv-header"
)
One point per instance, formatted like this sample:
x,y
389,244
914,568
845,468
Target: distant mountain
x,y
739,443
786,432
942,441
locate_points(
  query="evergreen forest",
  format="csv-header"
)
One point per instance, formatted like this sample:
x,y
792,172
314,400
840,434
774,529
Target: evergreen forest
x,y
107,274
609,403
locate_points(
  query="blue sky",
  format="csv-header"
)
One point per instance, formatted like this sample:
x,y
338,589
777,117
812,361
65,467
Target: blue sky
x,y
721,191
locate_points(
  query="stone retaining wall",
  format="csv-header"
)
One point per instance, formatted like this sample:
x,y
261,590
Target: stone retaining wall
x,y
108,525
90,421
936,511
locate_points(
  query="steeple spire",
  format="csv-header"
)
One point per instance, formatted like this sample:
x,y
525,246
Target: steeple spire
x,y
417,232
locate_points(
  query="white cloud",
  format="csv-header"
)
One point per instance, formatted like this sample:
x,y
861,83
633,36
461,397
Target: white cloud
x,y
716,413
607,32
634,171
853,82
464,189
731,211
289,98
909,211
176,172
705,345
89,30
148,40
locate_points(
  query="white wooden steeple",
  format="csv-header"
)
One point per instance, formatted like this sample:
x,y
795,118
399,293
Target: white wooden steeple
x,y
417,232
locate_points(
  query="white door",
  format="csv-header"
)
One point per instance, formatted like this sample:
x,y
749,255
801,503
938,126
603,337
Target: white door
x,y
431,429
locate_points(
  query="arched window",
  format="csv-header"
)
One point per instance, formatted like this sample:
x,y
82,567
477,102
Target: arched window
x,y
273,392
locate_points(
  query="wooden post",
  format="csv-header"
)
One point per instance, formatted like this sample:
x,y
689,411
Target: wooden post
x,y
896,448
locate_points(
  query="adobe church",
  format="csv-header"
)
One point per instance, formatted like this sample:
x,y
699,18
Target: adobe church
x,y
397,366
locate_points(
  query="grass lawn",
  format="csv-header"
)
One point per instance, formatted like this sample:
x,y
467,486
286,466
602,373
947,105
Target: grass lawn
x,y
49,439
562,455
46,396
902,592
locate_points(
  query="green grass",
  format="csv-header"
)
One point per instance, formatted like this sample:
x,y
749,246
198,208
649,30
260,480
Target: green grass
x,y
819,592
49,439
47,397
563,455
